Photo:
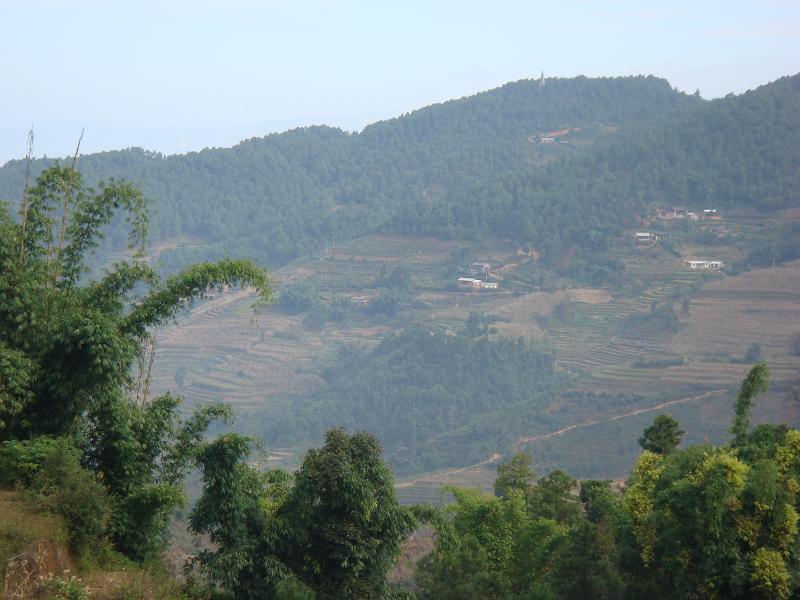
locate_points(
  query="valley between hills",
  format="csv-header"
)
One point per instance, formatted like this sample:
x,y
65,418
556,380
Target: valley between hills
x,y
535,267
263,361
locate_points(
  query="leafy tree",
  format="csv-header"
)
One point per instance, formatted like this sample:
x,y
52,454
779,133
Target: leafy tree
x,y
715,524
477,544
461,574
719,522
709,522
599,502
552,498
336,530
433,399
756,382
386,302
298,297
586,565
514,475
779,246
230,512
662,436
69,347
346,517
291,589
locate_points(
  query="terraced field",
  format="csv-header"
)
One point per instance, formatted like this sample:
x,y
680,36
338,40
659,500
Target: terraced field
x,y
221,350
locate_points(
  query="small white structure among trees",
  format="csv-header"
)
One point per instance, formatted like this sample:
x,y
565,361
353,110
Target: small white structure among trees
x,y
712,265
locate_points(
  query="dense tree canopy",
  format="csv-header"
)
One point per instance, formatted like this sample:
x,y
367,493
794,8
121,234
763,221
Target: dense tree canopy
x,y
663,436
69,348
433,399
335,526
705,522
475,167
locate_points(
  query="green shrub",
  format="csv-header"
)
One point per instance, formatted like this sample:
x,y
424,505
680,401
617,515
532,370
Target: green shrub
x,y
138,524
292,589
64,589
62,486
20,460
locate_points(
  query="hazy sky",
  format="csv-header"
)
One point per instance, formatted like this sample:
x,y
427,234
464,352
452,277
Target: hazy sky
x,y
176,75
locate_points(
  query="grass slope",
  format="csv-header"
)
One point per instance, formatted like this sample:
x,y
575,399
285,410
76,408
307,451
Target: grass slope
x,y
35,562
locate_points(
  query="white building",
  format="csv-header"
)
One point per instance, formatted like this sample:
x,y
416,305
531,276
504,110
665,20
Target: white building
x,y
477,283
469,281
713,265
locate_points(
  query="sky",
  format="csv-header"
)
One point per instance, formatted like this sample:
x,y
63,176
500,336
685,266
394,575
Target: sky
x,y
176,76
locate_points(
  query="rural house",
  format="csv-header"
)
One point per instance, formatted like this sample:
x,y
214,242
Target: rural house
x,y
478,283
713,265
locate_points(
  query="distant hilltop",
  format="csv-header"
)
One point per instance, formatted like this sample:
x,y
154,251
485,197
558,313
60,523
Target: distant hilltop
x,y
475,166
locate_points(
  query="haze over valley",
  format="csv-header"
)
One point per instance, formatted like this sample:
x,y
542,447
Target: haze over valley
x,y
380,301
536,191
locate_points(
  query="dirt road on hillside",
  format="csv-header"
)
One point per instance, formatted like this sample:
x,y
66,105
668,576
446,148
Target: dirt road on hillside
x,y
544,436
493,458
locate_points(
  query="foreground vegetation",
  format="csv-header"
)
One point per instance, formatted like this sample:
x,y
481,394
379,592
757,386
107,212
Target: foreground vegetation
x,y
705,521
91,448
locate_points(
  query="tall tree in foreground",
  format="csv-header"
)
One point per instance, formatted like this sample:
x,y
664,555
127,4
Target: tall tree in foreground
x,y
336,528
70,347
720,522
703,522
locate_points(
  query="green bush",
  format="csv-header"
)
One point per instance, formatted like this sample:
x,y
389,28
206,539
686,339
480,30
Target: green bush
x,y
64,589
138,524
62,486
386,302
21,460
292,589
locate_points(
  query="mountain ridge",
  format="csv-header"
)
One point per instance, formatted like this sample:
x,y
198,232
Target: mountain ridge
x,y
465,167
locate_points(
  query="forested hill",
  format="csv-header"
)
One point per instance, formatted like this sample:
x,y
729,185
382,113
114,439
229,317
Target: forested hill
x,y
279,196
738,150
477,166
524,107
432,399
